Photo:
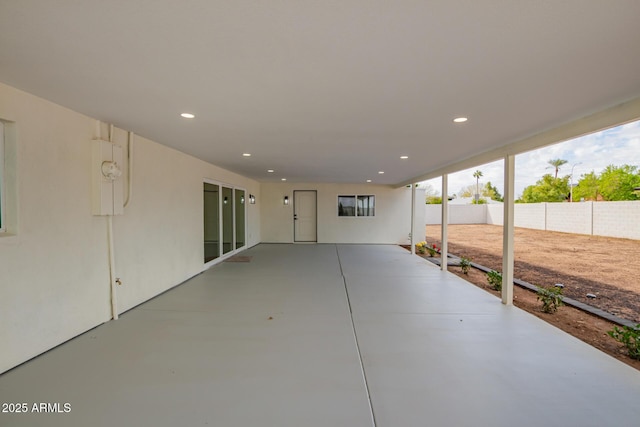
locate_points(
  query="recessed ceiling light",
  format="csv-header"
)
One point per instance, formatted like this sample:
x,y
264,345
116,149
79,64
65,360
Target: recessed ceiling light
x,y
187,115
283,179
246,154
404,157
381,172
368,180
270,170
460,119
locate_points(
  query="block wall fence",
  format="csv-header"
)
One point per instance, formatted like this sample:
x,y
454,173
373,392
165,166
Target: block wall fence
x,y
611,219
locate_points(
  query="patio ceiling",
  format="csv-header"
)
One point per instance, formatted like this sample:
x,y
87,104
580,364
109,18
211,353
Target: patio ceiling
x,y
331,91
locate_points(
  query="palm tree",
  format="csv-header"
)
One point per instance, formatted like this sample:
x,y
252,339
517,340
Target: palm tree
x,y
477,174
556,163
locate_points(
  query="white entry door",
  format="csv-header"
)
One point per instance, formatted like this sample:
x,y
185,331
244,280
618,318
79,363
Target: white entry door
x,y
304,216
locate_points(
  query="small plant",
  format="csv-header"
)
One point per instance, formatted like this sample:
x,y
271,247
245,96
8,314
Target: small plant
x,y
495,280
465,263
421,247
551,298
630,337
433,250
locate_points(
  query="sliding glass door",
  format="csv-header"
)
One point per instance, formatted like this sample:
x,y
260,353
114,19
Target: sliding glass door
x,y
239,217
227,220
211,222
224,220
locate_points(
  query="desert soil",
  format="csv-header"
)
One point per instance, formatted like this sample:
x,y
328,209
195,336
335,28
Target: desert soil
x,y
603,266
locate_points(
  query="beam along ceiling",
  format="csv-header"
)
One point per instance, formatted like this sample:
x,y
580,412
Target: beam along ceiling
x,y
331,91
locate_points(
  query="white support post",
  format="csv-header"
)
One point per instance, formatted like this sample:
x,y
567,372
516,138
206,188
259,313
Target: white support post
x,y
508,231
413,219
445,220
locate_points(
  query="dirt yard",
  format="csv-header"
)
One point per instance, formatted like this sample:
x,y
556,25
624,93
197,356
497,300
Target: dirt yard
x,y
603,266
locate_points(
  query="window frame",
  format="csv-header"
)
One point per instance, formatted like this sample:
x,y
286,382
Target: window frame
x,y
355,207
3,186
221,254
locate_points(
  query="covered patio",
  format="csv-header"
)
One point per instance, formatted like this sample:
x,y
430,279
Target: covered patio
x,y
325,335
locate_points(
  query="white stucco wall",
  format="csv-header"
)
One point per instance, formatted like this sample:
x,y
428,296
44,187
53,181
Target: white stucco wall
x,y
391,223
54,278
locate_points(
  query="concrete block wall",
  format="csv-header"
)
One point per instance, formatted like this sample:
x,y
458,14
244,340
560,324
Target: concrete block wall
x,y
495,214
569,217
611,219
530,215
467,214
432,214
617,219
458,214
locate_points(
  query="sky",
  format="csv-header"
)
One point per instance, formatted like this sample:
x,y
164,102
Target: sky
x,y
618,146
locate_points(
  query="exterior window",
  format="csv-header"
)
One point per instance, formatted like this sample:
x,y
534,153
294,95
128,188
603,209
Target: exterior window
x,y
2,180
366,206
356,206
225,227
346,205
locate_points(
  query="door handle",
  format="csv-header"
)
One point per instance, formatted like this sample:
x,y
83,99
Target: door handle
x,y
295,217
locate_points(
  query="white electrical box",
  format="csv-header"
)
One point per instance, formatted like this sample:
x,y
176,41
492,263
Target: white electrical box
x,y
106,176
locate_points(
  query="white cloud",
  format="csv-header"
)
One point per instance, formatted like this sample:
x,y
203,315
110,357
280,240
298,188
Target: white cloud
x,y
593,152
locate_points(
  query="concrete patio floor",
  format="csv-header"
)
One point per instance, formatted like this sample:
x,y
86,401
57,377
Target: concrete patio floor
x,y
325,335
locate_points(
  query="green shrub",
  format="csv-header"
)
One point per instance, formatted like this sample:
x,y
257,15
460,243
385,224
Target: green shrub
x,y
495,280
465,263
630,337
551,298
